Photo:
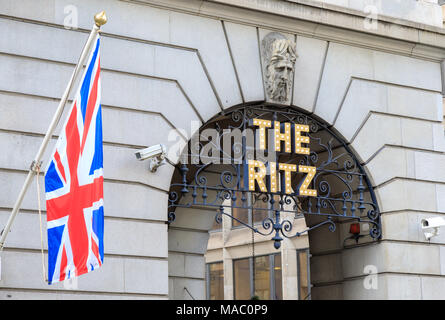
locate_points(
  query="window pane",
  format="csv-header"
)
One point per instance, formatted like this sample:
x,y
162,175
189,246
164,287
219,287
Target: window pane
x,y
216,275
241,278
262,277
240,213
260,215
278,280
303,276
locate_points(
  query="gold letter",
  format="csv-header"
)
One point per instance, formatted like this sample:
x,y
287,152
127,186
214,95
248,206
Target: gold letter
x,y
287,168
304,191
262,124
258,176
286,137
273,176
299,139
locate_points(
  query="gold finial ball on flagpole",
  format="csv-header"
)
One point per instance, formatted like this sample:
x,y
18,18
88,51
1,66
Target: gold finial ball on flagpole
x,y
100,19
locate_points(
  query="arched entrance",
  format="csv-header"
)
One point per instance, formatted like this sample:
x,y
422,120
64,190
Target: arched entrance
x,y
258,154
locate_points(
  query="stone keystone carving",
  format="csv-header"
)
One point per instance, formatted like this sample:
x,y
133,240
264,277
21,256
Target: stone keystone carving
x,y
278,56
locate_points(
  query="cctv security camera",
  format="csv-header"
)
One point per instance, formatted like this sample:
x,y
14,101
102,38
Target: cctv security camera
x,y
431,226
156,155
151,152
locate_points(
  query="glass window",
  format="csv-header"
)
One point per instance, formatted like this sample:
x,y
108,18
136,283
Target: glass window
x,y
266,274
262,277
257,214
241,279
260,215
216,281
278,277
303,274
240,213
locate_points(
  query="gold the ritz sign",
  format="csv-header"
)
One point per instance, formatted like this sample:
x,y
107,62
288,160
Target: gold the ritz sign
x,y
257,171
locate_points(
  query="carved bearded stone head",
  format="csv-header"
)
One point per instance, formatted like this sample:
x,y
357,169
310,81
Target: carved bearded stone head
x,y
279,56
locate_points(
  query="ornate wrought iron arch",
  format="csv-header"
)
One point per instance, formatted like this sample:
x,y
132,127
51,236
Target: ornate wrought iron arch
x,y
343,189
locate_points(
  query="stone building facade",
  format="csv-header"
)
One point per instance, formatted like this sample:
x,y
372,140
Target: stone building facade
x,y
371,70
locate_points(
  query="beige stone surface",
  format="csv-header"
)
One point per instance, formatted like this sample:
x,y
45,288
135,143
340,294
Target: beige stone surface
x,y
163,69
308,70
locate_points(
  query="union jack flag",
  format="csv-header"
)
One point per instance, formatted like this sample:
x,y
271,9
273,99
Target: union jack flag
x,y
74,184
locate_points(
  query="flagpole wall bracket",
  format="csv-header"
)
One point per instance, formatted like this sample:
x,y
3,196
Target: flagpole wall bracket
x,y
36,166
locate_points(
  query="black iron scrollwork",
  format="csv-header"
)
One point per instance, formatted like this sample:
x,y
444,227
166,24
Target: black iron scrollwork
x,y
343,188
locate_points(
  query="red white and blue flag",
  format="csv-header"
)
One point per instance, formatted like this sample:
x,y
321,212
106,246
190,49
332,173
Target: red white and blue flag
x,y
74,184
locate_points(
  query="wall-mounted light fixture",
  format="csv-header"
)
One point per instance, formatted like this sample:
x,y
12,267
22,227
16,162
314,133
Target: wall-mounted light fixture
x,y
354,230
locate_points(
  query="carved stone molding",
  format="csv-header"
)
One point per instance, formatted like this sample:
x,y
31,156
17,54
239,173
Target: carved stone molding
x,y
278,55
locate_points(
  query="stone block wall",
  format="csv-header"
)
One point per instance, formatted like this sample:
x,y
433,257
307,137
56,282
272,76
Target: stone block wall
x,y
168,64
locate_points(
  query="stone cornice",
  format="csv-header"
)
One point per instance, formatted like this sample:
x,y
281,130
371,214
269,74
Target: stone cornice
x,y
322,21
353,12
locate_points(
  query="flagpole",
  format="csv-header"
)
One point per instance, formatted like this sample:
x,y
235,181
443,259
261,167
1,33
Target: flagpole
x,y
99,20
